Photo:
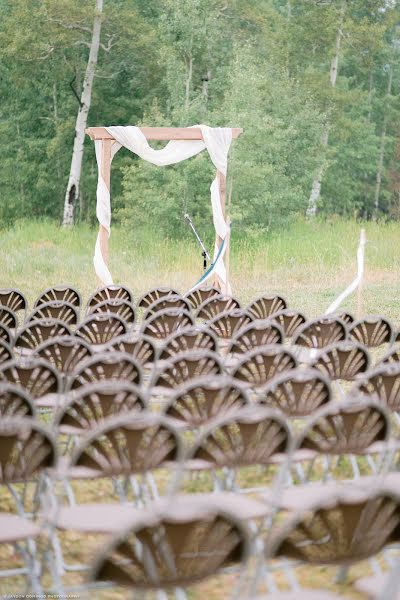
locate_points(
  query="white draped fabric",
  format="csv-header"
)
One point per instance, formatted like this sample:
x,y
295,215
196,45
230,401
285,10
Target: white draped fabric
x,y
217,141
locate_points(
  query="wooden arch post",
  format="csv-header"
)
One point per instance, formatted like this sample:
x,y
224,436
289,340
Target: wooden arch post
x,y
156,134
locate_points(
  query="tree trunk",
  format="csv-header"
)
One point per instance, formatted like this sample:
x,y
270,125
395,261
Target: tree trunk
x,y
316,185
72,192
379,169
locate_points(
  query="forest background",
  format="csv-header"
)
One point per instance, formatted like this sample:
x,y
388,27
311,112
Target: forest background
x,y
313,83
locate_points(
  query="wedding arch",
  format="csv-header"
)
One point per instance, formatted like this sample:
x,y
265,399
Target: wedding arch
x,y
183,143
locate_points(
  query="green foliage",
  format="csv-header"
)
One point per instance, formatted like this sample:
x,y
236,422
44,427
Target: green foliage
x,y
262,65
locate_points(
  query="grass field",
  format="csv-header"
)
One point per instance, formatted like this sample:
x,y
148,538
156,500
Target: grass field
x,y
310,264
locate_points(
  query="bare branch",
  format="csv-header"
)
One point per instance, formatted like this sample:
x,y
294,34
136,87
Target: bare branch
x,y
75,26
110,44
43,57
81,43
71,85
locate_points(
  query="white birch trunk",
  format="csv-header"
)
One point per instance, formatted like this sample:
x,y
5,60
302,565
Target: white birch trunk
x,y
379,169
316,184
72,192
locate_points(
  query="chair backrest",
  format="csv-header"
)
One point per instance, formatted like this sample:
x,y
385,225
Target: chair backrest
x,y
215,305
320,333
228,323
199,295
105,366
34,333
250,436
372,331
8,317
165,322
297,393
6,352
93,403
123,308
179,542
100,328
189,338
15,402
289,320
65,352
13,299
26,448
186,366
256,334
155,294
383,385
110,292
35,375
344,316
201,400
128,444
347,428
391,357
63,293
266,305
139,346
171,301
56,309
260,365
6,335
343,360
346,526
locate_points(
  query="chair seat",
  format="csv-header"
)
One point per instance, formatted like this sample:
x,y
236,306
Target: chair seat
x,y
374,586
95,518
14,528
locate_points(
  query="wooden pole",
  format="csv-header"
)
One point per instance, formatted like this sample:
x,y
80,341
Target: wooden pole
x,y
222,193
106,175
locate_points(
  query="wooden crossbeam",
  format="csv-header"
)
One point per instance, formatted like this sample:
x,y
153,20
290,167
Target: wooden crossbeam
x,y
159,133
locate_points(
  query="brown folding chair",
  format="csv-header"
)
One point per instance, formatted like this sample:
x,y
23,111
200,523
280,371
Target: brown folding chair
x,y
13,299
289,320
26,450
183,367
343,360
258,333
372,331
56,309
60,293
105,366
100,328
37,377
8,318
31,335
266,305
15,402
155,294
139,346
215,305
260,365
165,322
171,301
189,338
320,333
229,323
65,353
297,393
383,385
109,292
122,308
199,296
200,401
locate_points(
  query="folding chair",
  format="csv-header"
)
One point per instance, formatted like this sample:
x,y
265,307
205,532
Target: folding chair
x,y
173,546
343,360
65,353
26,449
13,299
60,293
255,334
228,323
199,296
260,365
139,346
372,331
155,294
8,318
266,305
320,333
171,301
37,377
383,385
109,292
165,322
182,368
56,309
15,402
215,305
100,328
297,393
122,308
106,366
189,338
199,402
289,320
34,333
